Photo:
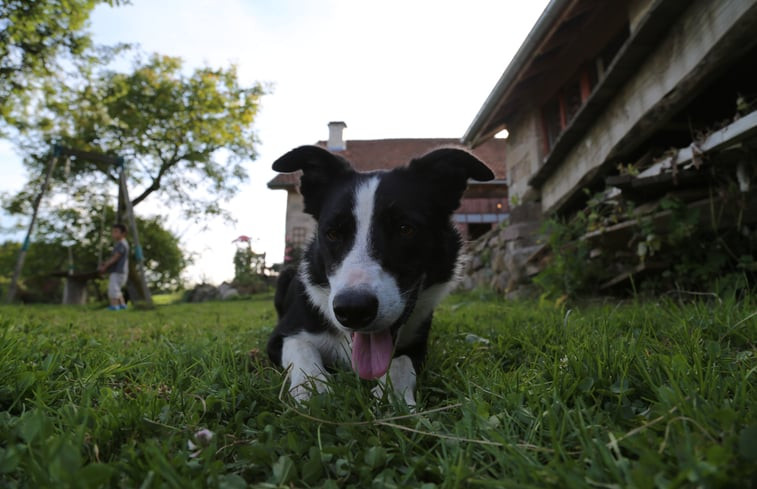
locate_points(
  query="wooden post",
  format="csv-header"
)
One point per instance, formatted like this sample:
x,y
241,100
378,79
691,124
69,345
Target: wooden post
x,y
25,246
143,292
101,234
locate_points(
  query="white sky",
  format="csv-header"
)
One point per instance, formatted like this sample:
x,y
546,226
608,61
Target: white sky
x,y
389,69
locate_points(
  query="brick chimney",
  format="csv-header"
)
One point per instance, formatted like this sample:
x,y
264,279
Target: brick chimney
x,y
336,138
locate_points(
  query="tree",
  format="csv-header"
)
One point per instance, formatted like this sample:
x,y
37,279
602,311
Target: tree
x,y
185,137
34,35
37,284
164,259
249,267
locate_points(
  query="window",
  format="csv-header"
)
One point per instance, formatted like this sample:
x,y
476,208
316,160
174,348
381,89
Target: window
x,y
476,230
572,99
562,108
553,124
488,218
298,237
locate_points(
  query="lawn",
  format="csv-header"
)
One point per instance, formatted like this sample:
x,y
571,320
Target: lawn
x,y
608,395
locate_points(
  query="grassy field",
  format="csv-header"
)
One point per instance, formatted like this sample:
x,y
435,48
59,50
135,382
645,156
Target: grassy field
x,y
513,395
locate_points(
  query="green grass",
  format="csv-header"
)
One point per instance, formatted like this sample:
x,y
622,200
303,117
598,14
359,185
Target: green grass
x,y
166,299
513,395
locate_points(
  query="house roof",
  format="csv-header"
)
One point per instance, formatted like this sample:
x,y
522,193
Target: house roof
x,y
384,154
484,124
568,34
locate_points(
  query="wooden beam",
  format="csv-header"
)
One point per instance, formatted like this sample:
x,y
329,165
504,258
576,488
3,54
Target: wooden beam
x,y
660,172
629,274
732,134
713,215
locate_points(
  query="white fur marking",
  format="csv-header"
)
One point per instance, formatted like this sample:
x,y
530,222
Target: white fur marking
x,y
304,355
360,270
401,376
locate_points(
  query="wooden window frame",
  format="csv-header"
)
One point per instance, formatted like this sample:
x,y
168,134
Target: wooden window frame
x,y
585,89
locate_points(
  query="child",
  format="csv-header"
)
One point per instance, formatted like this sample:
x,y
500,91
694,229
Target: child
x,y
118,267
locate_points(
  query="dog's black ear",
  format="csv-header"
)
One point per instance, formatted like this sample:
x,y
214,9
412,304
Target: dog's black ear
x,y
319,169
449,169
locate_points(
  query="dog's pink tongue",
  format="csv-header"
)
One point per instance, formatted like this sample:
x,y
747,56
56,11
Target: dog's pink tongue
x,y
371,353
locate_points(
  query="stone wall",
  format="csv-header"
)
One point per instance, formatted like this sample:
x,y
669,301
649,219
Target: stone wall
x,y
502,259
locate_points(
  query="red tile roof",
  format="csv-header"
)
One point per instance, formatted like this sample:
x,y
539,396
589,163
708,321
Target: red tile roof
x,y
384,154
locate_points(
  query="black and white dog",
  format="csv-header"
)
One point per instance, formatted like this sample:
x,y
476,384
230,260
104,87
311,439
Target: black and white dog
x,y
384,255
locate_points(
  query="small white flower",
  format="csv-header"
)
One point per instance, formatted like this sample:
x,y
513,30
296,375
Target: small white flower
x,y
563,362
204,436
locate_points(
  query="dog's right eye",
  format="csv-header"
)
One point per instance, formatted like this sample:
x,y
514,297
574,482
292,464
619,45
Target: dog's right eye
x,y
406,230
333,234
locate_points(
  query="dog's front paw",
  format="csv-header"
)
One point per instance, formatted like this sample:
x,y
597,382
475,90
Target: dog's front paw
x,y
410,400
303,386
401,377
406,395
378,391
300,393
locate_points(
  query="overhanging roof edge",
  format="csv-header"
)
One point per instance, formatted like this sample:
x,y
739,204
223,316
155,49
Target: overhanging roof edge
x,y
552,12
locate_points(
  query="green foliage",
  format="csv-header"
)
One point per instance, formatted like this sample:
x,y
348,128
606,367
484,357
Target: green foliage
x,y
34,36
36,284
695,259
700,260
513,395
164,259
249,269
568,272
184,137
572,271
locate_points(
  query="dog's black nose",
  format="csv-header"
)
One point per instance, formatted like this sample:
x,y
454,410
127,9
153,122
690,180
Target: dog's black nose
x,y
355,309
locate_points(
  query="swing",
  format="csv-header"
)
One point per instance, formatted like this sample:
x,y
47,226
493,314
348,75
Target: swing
x,y
76,283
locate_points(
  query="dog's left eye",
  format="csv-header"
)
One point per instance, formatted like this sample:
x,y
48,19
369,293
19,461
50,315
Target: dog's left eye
x,y
333,234
406,230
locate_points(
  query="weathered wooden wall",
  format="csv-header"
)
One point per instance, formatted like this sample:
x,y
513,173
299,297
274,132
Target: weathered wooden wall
x,y
524,149
704,40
